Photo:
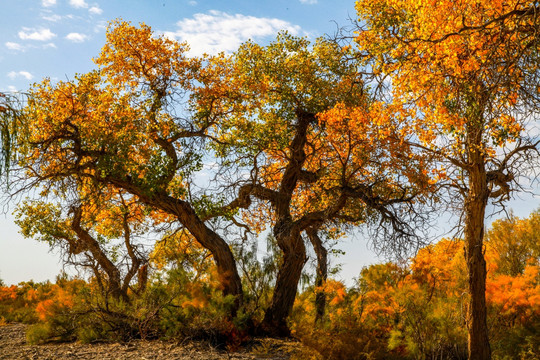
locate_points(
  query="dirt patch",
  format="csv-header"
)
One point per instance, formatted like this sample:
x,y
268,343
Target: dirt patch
x,y
13,346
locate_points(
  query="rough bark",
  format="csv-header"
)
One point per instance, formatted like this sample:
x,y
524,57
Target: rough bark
x,y
136,261
322,273
294,258
288,234
225,262
475,208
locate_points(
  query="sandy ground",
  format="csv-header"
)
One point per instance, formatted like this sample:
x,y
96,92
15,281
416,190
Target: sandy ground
x,y
13,346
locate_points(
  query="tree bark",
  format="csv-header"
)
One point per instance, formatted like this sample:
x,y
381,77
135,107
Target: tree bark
x,y
226,264
322,273
294,258
288,234
475,208
210,240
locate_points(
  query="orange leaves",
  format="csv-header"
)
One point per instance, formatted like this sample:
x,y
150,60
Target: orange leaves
x,y
43,309
134,58
335,291
516,295
30,302
512,243
118,114
59,298
446,59
439,263
197,299
87,119
8,293
260,96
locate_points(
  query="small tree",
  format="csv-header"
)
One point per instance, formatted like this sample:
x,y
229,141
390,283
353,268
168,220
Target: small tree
x,y
127,126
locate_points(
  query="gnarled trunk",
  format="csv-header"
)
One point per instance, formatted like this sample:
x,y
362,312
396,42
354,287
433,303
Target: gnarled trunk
x,y
87,243
209,239
290,270
223,256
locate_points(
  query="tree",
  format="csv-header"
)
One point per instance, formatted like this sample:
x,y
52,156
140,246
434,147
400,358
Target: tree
x,y
321,272
463,76
299,139
308,150
128,125
514,243
97,234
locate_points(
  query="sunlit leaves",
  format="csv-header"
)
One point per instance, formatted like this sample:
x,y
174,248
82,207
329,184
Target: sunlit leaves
x,y
460,63
137,60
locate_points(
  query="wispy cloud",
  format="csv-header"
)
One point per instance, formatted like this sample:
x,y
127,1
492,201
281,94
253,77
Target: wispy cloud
x,y
309,2
219,31
33,34
78,3
52,18
76,37
95,10
100,26
48,3
24,74
14,46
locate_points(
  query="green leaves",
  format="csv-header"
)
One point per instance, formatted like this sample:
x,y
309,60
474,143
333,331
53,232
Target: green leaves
x,y
43,221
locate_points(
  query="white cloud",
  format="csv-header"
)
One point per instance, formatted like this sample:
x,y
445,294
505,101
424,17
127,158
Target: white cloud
x,y
14,46
192,3
100,26
33,34
53,17
95,10
24,74
309,2
49,45
218,31
48,3
76,37
78,3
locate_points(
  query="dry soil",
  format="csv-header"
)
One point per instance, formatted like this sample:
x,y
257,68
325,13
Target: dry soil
x,y
13,346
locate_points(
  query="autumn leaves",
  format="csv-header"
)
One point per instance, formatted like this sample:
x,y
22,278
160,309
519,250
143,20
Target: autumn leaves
x,y
300,143
290,127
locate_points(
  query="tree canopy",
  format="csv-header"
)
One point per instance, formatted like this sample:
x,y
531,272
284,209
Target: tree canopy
x,y
463,76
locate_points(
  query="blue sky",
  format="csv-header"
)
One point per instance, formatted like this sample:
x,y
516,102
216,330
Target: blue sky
x,y
59,38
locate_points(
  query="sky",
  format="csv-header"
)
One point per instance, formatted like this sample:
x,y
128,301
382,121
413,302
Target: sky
x,y
58,39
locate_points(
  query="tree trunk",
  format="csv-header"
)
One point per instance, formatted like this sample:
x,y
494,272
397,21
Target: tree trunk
x,y
322,273
223,256
475,208
88,243
290,270
210,240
